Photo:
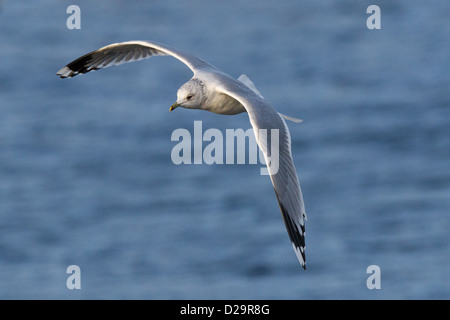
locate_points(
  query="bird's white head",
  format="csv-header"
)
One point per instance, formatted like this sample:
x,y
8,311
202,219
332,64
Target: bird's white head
x,y
191,95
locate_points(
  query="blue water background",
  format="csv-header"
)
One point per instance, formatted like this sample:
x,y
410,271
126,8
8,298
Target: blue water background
x,y
86,176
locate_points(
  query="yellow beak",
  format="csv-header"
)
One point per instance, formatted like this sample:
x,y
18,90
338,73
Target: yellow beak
x,y
174,106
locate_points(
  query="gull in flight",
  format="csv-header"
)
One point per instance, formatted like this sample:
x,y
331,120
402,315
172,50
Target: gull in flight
x,y
212,90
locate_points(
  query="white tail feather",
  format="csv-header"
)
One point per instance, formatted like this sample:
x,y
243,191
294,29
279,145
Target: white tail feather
x,y
290,118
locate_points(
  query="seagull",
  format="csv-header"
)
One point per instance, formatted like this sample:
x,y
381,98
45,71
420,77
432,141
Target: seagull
x,y
212,90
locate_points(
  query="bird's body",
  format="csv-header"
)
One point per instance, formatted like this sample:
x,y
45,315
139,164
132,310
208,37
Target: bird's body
x,y
217,102
213,90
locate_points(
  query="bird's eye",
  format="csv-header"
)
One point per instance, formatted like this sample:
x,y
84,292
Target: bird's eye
x,y
189,97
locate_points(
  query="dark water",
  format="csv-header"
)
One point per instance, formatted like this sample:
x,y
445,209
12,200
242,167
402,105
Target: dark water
x,y
86,176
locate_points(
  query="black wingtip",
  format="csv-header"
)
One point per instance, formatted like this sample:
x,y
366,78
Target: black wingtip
x,y
296,233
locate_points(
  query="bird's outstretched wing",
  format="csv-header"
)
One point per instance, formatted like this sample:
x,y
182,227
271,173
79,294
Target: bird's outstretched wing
x,y
284,176
130,51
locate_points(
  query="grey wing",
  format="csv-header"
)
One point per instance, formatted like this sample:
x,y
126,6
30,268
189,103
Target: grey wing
x,y
289,195
119,53
284,176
